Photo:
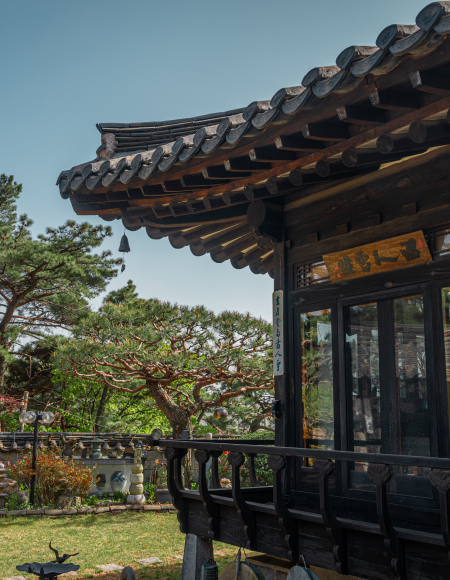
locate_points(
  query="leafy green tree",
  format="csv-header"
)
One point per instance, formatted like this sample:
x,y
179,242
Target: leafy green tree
x,y
45,282
187,359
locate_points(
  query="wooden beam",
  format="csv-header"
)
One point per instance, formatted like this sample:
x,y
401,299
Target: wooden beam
x,y
297,143
220,172
394,101
234,248
244,164
211,203
422,131
214,244
433,82
361,115
325,132
252,194
198,181
271,153
387,174
334,149
232,197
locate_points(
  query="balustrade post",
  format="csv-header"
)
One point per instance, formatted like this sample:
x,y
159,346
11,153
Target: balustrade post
x,y
277,464
215,479
175,484
251,470
380,474
440,479
336,533
236,460
211,509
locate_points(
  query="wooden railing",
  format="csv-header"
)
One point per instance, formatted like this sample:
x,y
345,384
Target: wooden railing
x,y
380,471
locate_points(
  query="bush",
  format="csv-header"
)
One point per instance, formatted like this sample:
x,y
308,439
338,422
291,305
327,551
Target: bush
x,y
120,496
55,476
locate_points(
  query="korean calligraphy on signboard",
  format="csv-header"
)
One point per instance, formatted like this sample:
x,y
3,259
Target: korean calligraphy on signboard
x,y
401,252
278,338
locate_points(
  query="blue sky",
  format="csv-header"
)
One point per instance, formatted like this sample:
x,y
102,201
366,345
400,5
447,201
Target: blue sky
x,y
68,65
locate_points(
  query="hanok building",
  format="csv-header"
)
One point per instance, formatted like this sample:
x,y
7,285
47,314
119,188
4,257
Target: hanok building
x,y
340,190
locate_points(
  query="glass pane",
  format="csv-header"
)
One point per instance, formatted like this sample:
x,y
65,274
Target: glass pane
x,y
317,380
363,382
319,273
446,317
412,420
442,241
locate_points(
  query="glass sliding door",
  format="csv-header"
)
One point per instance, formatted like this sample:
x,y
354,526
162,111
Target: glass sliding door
x,y
387,388
363,385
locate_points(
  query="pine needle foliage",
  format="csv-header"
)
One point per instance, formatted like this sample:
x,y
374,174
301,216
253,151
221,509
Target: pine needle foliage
x,y
45,281
187,358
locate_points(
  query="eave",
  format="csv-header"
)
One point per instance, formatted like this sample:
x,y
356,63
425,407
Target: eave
x,y
197,187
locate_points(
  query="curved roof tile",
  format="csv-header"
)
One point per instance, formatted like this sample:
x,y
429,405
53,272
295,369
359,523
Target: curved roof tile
x,y
179,140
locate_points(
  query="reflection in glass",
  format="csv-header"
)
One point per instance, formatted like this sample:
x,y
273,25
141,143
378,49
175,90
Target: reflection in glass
x,y
442,243
363,380
446,317
410,402
317,380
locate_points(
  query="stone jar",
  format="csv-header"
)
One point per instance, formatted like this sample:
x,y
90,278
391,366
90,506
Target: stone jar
x,y
118,481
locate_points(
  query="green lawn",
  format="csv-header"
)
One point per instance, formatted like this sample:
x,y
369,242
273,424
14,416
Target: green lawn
x,y
120,539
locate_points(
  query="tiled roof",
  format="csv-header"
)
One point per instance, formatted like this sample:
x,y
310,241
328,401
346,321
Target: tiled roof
x,y
165,177
145,148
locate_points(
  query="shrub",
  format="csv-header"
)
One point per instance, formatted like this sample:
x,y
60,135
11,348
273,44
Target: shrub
x,y
120,496
55,476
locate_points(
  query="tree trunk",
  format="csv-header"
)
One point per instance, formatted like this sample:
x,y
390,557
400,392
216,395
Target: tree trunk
x,y
101,409
177,417
2,373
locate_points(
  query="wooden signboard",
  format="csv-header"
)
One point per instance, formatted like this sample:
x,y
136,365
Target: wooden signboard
x,y
401,252
278,334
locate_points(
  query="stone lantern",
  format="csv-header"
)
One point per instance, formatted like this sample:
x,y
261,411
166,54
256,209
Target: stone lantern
x,y
136,492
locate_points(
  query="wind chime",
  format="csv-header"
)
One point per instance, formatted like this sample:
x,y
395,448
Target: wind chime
x,y
124,248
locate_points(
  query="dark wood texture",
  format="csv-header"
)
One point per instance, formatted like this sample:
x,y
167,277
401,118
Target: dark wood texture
x,y
381,474
289,527
335,531
236,460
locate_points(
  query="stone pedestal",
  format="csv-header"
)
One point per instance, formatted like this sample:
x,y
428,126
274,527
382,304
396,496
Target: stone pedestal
x,y
197,551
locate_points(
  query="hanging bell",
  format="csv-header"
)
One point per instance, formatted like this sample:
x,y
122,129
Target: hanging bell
x,y
124,245
220,413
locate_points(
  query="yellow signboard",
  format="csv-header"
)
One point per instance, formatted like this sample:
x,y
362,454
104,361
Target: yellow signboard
x,y
401,252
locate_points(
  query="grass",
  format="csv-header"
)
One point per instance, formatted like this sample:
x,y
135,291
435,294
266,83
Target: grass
x,y
120,539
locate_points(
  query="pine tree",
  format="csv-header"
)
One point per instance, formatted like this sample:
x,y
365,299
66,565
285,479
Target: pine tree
x,y
187,359
45,282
